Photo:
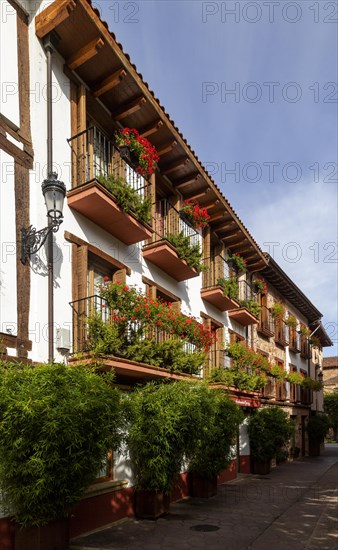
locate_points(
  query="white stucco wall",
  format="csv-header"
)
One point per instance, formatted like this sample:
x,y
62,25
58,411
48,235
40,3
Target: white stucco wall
x,y
8,285
9,79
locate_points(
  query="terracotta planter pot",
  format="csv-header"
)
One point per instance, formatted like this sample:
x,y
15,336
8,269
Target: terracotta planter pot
x,y
261,467
151,504
202,487
53,536
7,534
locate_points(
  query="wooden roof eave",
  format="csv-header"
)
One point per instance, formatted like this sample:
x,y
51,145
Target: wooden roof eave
x,y
53,17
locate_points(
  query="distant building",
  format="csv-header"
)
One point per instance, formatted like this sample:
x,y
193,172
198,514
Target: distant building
x,y
330,374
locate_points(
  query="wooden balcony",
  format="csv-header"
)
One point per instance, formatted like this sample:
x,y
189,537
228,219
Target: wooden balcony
x,y
281,394
164,255
266,326
294,343
97,204
215,296
281,333
243,316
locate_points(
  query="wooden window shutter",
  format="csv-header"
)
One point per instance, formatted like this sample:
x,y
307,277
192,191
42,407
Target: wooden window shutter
x,y
82,271
176,306
120,276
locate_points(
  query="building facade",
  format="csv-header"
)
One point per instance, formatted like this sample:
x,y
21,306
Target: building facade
x,y
69,87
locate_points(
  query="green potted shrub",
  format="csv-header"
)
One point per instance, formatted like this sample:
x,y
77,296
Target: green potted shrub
x,y
317,428
127,197
236,261
229,286
219,419
162,418
278,311
269,431
57,424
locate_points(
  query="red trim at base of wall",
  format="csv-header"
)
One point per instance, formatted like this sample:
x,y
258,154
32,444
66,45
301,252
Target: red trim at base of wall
x,y
244,464
94,512
181,488
228,474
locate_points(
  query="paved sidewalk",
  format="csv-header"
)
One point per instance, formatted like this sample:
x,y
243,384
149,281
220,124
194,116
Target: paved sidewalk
x,y
294,507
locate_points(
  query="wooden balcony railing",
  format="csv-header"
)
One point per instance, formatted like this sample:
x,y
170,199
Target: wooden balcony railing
x,y
294,340
266,325
305,351
281,391
281,333
94,156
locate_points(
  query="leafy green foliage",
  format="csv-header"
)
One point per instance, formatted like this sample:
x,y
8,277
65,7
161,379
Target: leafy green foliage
x,y
162,418
251,306
104,338
317,427
191,253
170,422
169,354
269,430
127,197
56,425
219,422
229,287
239,379
331,408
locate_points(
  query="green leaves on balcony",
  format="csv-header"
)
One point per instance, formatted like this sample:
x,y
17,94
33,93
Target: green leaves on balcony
x,y
252,306
128,198
187,251
229,286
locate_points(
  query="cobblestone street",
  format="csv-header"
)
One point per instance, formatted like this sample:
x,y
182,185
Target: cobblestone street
x,y
293,507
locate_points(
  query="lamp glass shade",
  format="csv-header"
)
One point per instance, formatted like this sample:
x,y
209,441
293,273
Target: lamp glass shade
x,y
54,192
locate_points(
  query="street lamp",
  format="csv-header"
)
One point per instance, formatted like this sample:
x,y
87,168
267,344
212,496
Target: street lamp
x,y
54,192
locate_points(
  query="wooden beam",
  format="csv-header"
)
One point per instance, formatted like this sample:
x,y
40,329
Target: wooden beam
x,y
236,242
230,234
151,128
174,165
210,204
53,16
226,222
215,217
85,53
186,181
196,195
167,148
108,83
128,108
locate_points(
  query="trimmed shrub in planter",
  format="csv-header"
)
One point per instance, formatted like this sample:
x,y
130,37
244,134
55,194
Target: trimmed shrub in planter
x,y
56,425
161,419
317,428
269,431
219,419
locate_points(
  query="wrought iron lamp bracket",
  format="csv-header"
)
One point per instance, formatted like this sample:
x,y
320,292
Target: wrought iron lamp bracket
x,y
32,240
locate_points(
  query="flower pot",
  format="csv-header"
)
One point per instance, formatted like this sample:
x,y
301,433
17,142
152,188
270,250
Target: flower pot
x,y
7,534
202,487
151,504
125,152
261,467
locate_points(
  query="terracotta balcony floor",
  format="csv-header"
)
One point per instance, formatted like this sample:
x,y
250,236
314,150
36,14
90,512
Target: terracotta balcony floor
x,y
164,255
243,317
215,296
98,205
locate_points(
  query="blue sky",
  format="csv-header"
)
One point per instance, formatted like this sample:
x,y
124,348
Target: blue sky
x,y
272,144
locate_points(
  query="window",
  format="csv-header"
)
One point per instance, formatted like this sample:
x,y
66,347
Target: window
x,y
280,386
216,356
90,266
106,471
269,389
294,388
